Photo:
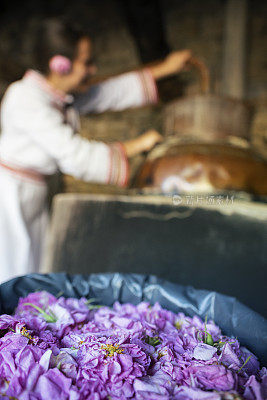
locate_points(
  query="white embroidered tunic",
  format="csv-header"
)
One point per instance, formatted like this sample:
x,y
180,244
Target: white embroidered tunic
x,y
40,136
39,133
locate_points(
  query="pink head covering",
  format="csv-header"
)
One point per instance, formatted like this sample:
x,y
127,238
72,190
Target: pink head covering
x,y
60,64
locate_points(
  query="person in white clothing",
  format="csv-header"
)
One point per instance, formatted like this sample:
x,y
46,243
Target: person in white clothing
x,y
40,125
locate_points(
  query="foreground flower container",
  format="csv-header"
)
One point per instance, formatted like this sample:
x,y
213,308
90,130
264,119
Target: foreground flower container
x,y
233,317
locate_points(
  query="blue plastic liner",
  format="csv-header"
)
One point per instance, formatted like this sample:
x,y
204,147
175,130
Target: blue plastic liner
x,y
233,317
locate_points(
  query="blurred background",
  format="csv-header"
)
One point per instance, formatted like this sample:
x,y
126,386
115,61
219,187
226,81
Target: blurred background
x,y
128,33
221,248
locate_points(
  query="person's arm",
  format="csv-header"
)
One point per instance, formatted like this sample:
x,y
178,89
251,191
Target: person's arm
x,y
132,89
172,64
74,155
128,90
121,151
144,142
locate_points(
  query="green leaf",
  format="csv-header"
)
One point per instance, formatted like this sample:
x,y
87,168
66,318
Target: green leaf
x,y
220,344
244,364
207,336
93,306
47,317
92,300
209,339
59,365
152,341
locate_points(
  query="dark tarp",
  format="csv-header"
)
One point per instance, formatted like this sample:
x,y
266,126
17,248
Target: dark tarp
x,y
233,317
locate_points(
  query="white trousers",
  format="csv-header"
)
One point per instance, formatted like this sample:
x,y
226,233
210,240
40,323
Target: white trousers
x,y
23,224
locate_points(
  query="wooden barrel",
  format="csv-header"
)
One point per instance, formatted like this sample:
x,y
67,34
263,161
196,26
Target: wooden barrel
x,y
209,117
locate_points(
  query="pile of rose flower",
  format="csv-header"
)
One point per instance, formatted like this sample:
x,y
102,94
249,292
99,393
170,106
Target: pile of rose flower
x,y
57,348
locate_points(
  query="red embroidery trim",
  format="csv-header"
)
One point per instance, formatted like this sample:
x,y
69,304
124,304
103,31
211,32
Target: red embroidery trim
x,y
26,173
126,164
154,89
41,81
150,90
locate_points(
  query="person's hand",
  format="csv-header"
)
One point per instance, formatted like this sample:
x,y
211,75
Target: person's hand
x,y
144,142
176,61
78,74
172,64
148,139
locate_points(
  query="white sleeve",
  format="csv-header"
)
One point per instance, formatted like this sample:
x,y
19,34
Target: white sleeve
x,y
74,155
128,90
